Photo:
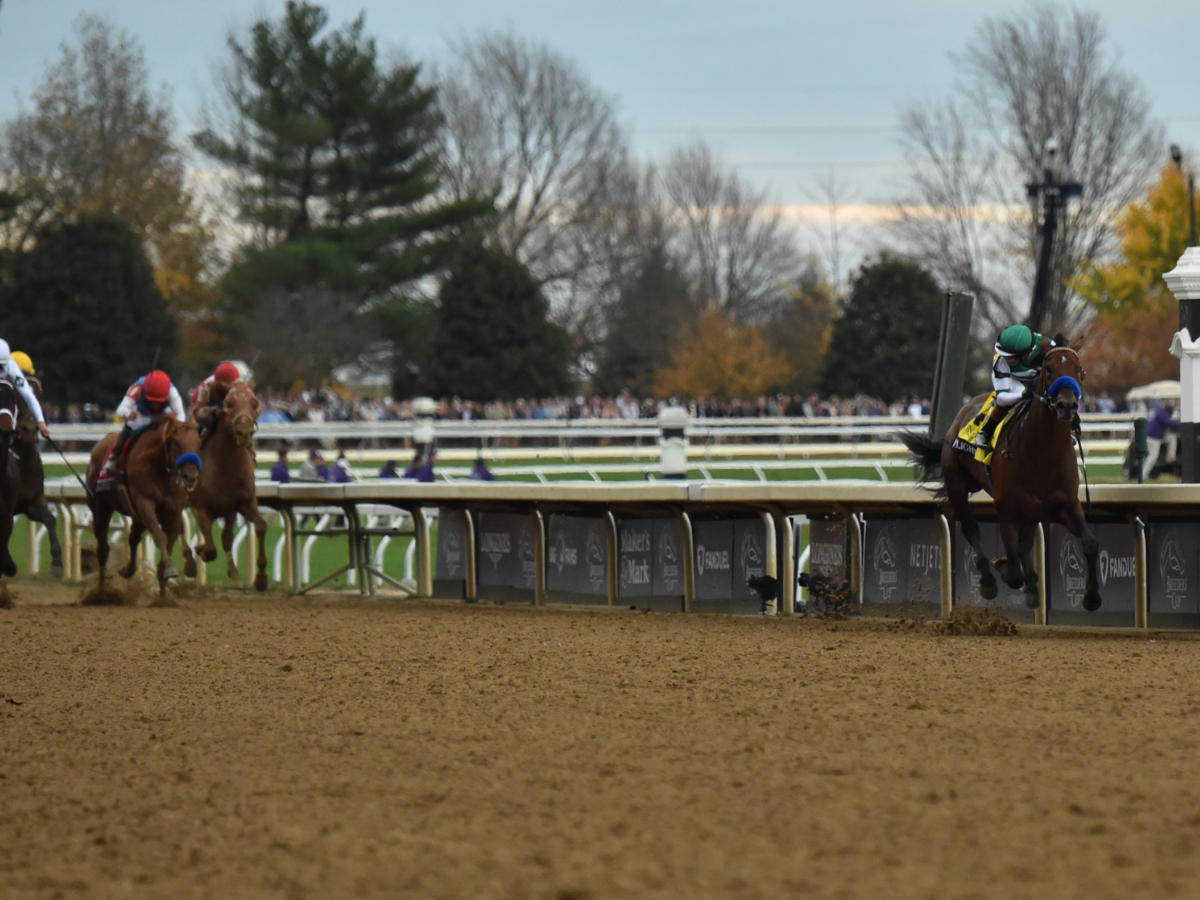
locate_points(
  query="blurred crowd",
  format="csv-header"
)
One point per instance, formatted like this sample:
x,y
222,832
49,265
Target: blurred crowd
x,y
331,406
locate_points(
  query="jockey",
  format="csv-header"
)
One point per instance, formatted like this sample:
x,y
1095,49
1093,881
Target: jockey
x,y
145,402
1015,368
210,393
10,369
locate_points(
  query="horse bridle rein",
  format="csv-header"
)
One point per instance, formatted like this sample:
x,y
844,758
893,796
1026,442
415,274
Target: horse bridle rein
x,y
1076,426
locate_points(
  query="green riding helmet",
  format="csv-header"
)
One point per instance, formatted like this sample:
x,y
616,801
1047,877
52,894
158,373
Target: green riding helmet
x,y
1018,341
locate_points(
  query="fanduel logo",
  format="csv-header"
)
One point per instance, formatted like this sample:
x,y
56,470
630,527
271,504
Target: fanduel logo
x,y
1115,566
710,559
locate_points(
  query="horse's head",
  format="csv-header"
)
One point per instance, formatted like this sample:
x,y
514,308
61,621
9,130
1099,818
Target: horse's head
x,y
181,443
9,410
241,412
1061,382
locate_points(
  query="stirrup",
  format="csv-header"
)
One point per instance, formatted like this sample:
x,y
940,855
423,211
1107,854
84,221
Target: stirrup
x,y
983,441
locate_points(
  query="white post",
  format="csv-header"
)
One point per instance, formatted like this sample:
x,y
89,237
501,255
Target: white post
x,y
672,441
1184,282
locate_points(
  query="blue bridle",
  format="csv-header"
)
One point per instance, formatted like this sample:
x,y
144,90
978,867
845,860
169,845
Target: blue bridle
x,y
1061,382
186,458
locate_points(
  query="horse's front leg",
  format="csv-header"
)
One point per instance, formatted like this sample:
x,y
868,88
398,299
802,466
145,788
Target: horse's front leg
x,y
166,568
1073,519
227,535
1011,569
8,565
970,528
136,530
1025,555
100,521
254,518
208,550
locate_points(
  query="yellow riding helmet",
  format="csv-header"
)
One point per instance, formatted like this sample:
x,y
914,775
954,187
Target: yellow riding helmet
x,y
21,358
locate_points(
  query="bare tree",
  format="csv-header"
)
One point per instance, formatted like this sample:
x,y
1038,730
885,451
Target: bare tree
x,y
1047,74
733,246
523,124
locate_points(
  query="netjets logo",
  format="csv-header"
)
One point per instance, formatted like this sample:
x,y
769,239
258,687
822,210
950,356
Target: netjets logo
x,y
751,556
1071,568
1171,567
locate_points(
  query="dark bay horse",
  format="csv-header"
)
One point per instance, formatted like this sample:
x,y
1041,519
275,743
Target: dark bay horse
x,y
1034,477
31,493
226,485
163,468
8,474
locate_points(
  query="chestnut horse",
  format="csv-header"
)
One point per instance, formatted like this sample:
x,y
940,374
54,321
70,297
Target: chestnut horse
x,y
1034,477
9,483
226,485
163,468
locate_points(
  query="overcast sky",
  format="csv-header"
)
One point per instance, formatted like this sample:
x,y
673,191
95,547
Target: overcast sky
x,y
787,91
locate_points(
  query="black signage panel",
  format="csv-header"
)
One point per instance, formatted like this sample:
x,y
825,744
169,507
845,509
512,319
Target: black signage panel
x,y
903,562
1114,571
667,570
967,577
1174,567
923,558
506,551
577,555
749,555
827,548
451,546
635,555
713,559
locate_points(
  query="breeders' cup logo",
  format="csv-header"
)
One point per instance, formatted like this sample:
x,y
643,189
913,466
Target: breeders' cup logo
x,y
597,568
452,553
668,560
884,561
1170,566
973,573
751,556
1071,567
527,557
562,555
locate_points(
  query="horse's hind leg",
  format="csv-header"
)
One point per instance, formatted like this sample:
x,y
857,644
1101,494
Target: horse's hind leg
x,y
100,521
962,512
255,519
227,535
1012,569
8,566
40,513
208,550
1025,554
136,530
1075,523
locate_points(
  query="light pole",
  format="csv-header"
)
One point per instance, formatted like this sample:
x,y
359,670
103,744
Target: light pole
x,y
1177,158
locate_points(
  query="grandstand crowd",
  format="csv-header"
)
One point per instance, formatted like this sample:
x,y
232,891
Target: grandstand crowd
x,y
333,406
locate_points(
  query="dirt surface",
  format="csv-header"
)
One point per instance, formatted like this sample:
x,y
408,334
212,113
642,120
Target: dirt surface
x,y
327,748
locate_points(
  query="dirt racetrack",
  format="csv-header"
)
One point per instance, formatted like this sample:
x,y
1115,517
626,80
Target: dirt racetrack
x,y
326,748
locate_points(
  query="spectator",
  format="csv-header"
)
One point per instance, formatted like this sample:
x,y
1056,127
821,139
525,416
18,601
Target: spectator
x,y
414,467
314,468
341,473
1106,404
481,472
1160,427
279,471
425,473
389,470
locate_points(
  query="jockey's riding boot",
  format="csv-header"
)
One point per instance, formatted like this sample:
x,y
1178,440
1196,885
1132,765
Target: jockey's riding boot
x,y
114,458
983,440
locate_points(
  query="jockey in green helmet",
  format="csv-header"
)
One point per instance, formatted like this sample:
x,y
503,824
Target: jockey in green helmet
x,y
1015,367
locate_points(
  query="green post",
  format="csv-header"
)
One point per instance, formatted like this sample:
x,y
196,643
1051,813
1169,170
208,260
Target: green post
x,y
954,339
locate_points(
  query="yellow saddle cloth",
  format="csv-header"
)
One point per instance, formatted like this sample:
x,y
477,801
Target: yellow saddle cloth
x,y
967,434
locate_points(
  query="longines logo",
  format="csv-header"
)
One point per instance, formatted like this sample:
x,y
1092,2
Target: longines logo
x,y
1170,566
827,557
668,561
751,556
1071,566
495,545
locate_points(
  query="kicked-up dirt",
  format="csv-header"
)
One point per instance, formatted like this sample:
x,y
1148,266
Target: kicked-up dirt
x,y
255,747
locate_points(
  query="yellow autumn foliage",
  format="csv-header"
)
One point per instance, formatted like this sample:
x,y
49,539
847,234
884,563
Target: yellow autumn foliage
x,y
722,358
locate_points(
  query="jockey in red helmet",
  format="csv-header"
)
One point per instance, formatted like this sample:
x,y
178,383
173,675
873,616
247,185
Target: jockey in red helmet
x,y
147,400
210,393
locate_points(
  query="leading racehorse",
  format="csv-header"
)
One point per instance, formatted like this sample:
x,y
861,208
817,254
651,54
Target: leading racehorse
x,y
1033,478
163,468
226,485
8,474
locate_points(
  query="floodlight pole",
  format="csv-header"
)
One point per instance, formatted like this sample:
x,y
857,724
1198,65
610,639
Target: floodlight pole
x,y
1054,195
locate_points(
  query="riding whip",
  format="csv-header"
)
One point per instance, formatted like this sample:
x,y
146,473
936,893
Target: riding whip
x,y
82,483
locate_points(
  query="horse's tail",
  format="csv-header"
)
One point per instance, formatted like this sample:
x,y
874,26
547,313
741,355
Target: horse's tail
x,y
926,453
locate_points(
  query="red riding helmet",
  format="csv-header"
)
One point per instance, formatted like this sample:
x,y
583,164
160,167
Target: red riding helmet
x,y
157,387
227,371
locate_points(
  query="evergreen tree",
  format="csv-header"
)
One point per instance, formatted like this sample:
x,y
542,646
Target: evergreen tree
x,y
492,339
336,154
644,326
84,304
884,342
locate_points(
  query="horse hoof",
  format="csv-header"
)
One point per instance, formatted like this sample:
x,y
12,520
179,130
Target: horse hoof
x,y
56,571
10,569
189,568
169,574
127,571
260,582
1091,601
209,555
988,591
1031,600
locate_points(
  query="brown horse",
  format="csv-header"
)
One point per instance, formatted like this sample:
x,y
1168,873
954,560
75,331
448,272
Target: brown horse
x,y
31,494
226,485
8,474
1034,477
163,468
